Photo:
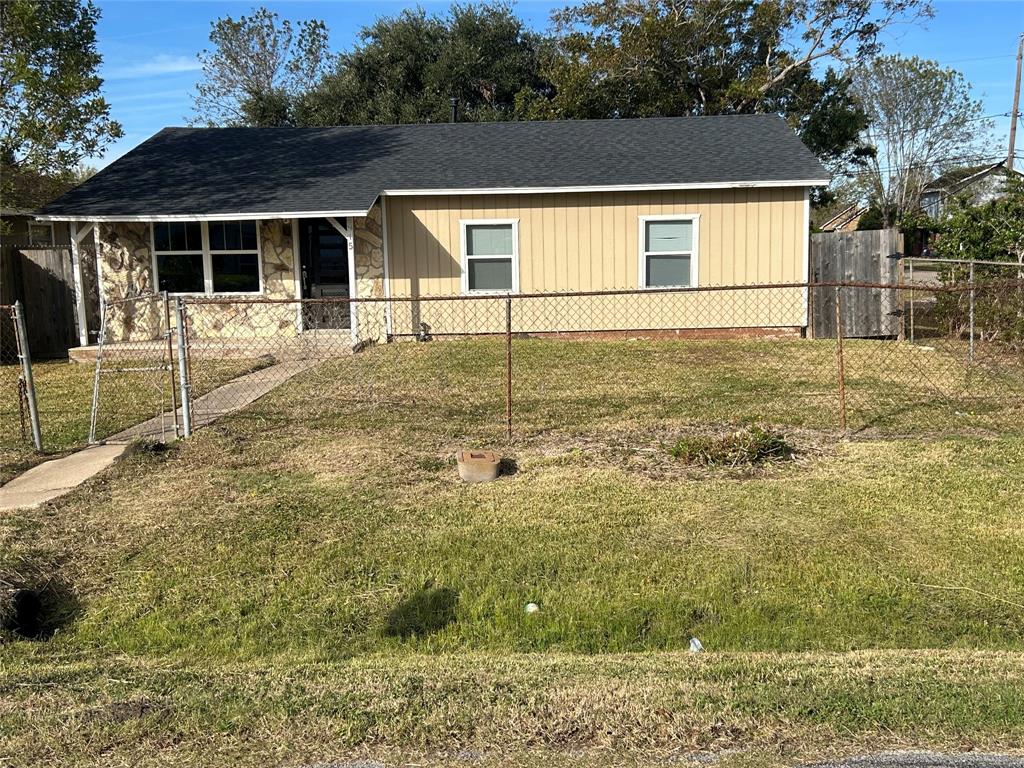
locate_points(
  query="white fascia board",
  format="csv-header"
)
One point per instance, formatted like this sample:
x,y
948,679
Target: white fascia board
x,y
210,216
608,188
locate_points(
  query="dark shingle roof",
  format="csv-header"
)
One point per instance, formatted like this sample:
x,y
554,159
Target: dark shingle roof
x,y
207,171
954,178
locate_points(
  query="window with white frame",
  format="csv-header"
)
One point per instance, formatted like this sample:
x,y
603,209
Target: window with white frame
x,y
668,251
40,233
206,257
490,256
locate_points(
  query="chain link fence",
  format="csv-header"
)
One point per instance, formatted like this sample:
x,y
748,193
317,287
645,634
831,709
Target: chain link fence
x,y
20,433
134,392
483,367
946,356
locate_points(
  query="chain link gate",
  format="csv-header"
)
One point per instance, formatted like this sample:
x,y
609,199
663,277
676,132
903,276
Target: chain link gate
x,y
134,393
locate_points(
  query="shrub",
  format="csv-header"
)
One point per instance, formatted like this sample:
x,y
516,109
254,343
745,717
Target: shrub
x,y
749,446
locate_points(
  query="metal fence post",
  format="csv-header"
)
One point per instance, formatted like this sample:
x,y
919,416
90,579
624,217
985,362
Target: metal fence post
x,y
901,333
101,341
970,313
911,301
508,367
840,359
170,359
183,377
25,355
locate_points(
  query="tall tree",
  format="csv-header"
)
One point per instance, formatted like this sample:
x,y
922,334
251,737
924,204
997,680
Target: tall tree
x,y
257,67
641,58
406,69
922,119
53,115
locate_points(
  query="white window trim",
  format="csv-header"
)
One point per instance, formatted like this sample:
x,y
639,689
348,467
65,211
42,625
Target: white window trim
x,y
694,253
207,255
31,240
463,223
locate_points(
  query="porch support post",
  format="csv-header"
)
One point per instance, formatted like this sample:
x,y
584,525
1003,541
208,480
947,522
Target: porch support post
x,y
353,283
81,324
387,268
297,266
347,229
99,268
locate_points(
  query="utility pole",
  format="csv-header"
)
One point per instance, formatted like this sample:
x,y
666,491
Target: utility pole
x,y
1015,112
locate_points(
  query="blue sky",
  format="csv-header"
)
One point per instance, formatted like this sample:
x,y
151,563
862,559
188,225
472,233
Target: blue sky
x,y
149,50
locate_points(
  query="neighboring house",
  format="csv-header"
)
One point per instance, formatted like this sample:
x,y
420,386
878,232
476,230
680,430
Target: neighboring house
x,y
845,220
980,184
462,209
19,227
35,269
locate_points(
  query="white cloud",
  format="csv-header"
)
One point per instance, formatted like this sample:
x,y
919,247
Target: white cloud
x,y
161,64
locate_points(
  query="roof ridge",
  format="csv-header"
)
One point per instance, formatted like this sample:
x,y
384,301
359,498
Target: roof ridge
x,y
581,121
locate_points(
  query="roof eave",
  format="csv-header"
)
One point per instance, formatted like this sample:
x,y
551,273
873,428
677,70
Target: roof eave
x,y
816,182
241,216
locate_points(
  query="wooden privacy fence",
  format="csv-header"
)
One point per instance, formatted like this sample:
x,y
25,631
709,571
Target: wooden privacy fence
x,y
41,278
871,256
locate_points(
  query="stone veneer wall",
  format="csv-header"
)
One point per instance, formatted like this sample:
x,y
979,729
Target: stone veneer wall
x,y
278,254
368,232
244,319
127,271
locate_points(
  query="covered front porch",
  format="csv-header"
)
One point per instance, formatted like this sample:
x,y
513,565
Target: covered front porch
x,y
310,262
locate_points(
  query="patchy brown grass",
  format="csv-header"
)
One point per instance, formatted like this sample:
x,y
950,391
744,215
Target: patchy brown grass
x,y
236,590
759,709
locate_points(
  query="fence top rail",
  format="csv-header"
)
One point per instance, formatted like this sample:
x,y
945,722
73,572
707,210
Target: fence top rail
x,y
343,300
986,263
139,297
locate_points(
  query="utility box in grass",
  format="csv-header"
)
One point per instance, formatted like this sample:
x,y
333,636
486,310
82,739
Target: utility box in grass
x,y
478,466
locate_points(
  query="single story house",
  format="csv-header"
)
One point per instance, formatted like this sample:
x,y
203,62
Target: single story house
x,y
460,209
845,220
979,183
18,227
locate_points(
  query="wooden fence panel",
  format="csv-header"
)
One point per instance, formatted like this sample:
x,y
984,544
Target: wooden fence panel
x,y
41,278
856,257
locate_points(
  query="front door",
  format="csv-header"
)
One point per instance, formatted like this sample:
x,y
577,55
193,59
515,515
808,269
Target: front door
x,y
324,259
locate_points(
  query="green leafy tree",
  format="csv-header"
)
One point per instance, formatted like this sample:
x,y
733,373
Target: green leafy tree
x,y
407,68
992,231
257,67
646,58
53,115
922,119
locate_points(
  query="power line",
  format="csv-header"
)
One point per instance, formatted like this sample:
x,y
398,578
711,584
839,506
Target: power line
x,y
938,161
980,58
951,122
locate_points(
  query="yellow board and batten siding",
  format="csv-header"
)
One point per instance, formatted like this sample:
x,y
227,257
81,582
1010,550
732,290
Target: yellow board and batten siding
x,y
590,241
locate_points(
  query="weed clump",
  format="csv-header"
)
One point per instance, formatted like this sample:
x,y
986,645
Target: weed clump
x,y
749,446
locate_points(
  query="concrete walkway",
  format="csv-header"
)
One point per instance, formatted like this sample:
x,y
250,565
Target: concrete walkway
x,y
57,477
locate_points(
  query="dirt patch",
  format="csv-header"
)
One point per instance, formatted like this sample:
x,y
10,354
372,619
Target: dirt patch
x,y
649,453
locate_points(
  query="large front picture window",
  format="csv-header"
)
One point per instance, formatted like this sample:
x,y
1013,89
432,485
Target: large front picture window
x,y
206,257
490,256
668,252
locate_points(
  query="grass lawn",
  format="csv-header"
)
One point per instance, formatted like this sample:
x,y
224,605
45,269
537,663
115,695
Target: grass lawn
x,y
64,399
306,580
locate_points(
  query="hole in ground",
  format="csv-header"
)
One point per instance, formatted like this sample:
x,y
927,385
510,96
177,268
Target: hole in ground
x,y
36,610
